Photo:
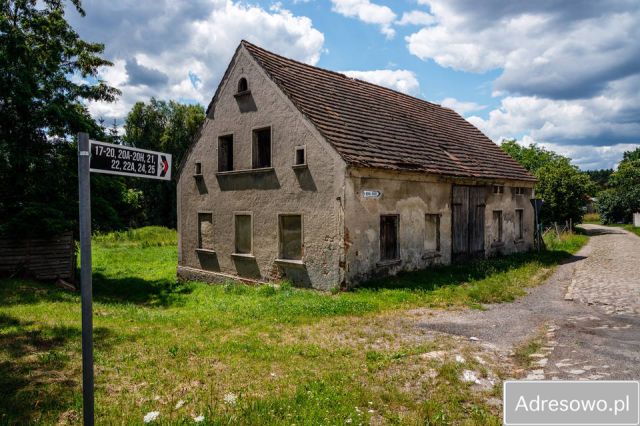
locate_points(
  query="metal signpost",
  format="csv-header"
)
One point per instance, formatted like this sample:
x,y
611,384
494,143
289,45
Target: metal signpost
x,y
101,157
537,205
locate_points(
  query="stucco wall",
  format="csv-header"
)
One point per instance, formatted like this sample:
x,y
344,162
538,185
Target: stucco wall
x,y
508,202
411,196
315,192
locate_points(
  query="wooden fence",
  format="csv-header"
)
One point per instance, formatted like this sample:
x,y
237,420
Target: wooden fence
x,y
42,259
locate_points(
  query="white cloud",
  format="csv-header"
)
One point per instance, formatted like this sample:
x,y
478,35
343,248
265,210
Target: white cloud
x,y
416,17
404,81
367,12
592,157
461,107
569,71
185,40
594,132
542,47
607,118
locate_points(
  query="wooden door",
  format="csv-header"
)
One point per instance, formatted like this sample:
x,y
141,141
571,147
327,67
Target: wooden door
x,y
467,221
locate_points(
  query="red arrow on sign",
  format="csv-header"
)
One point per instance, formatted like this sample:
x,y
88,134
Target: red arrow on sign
x,y
165,166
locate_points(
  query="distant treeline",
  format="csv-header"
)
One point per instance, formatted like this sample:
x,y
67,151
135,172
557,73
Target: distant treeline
x,y
566,190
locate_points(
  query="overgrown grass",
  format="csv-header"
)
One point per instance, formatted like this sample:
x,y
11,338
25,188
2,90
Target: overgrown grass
x,y
149,236
566,242
591,218
286,355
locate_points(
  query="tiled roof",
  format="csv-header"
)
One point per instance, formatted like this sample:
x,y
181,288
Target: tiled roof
x,y
372,126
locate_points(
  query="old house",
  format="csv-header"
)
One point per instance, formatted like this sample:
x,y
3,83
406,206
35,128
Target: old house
x,y
308,175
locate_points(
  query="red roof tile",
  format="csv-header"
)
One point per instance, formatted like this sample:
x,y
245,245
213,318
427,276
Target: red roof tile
x,y
372,126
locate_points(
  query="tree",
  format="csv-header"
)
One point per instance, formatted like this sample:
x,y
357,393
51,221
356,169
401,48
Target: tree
x,y
561,185
618,203
167,127
600,178
46,72
631,155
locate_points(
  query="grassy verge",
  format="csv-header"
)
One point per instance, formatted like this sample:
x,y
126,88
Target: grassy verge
x,y
631,228
249,355
593,218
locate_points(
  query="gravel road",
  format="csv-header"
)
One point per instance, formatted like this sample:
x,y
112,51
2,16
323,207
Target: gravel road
x,y
590,306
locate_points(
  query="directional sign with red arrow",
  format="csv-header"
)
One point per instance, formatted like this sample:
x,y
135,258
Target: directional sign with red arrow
x,y
164,164
121,160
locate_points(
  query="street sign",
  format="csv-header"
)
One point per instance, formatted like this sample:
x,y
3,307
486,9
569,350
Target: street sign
x,y
370,193
102,157
121,160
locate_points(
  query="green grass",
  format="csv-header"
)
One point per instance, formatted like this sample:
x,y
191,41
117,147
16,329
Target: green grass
x,y
523,352
149,236
628,226
591,218
288,355
631,228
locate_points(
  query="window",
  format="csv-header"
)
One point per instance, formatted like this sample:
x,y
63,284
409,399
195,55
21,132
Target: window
x,y
389,237
225,153
498,189
243,86
497,226
198,169
290,237
432,232
301,157
243,232
519,190
262,148
519,224
205,231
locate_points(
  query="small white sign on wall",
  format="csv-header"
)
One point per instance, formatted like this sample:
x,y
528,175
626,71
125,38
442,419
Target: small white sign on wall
x,y
371,193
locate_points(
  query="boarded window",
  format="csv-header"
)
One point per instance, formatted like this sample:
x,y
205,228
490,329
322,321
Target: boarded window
x,y
389,237
291,237
205,231
225,153
497,226
432,232
519,224
262,148
244,231
301,158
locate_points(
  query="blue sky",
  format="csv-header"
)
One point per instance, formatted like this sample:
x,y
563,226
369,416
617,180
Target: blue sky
x,y
565,75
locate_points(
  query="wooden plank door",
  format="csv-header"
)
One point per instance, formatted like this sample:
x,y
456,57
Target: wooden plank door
x,y
477,201
467,221
460,221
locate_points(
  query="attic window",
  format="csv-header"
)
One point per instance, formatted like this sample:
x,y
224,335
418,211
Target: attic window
x,y
519,190
262,148
243,86
498,189
301,157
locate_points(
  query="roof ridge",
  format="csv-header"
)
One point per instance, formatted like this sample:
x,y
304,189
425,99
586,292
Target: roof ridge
x,y
374,126
340,74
